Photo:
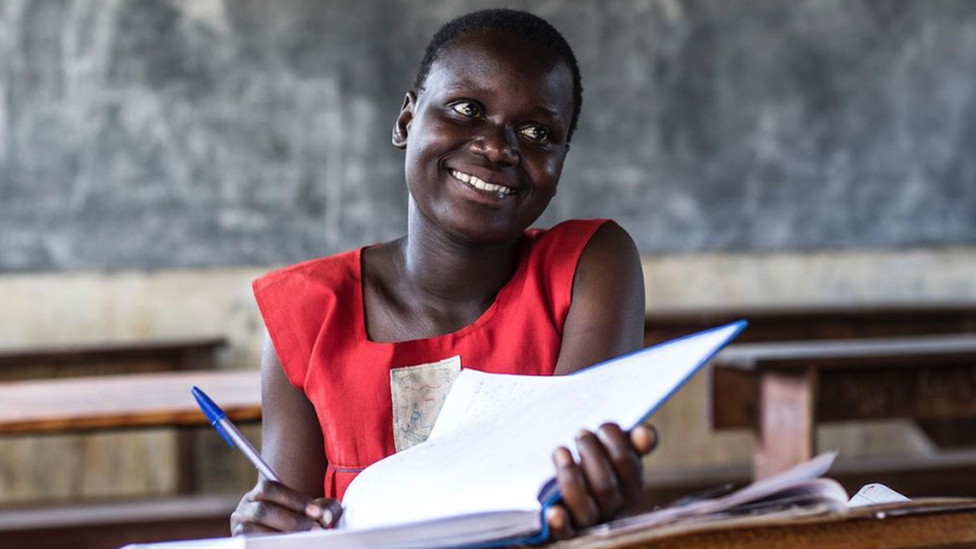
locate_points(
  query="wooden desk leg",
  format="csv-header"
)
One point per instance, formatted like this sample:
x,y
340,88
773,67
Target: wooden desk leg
x,y
187,481
786,421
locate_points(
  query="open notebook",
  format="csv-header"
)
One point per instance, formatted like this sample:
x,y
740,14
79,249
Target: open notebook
x,y
484,476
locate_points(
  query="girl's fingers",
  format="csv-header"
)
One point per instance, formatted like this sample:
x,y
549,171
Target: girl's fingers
x,y
272,506
283,496
332,510
626,462
644,438
263,516
582,508
251,528
600,474
560,525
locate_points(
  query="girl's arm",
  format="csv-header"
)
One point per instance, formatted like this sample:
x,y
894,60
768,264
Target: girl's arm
x,y
606,317
292,444
605,320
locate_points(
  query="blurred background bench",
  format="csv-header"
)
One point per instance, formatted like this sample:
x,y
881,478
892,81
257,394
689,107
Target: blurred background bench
x,y
841,363
85,391
800,323
781,391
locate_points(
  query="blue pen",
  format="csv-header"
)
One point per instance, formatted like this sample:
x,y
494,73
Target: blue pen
x,y
234,438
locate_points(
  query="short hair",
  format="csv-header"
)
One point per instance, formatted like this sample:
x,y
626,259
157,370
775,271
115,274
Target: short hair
x,y
522,25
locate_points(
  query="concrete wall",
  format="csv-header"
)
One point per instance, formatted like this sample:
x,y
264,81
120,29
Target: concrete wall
x,y
200,133
155,155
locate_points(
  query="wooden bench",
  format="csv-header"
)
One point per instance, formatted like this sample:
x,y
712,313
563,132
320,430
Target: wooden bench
x,y
928,475
109,358
125,401
782,390
110,525
817,323
134,401
130,401
98,359
106,358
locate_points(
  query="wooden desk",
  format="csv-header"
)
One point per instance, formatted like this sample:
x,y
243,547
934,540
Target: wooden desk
x,y
951,526
23,363
782,389
817,322
110,525
125,401
121,402
98,403
100,359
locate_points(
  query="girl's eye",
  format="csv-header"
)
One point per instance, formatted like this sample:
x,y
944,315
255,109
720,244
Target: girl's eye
x,y
536,133
467,108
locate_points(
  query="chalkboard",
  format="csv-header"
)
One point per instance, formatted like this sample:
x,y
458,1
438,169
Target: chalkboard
x,y
183,133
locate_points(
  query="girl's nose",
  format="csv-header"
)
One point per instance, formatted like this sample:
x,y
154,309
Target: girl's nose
x,y
498,144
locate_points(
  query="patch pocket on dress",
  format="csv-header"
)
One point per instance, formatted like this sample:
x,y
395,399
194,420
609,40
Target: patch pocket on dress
x,y
418,395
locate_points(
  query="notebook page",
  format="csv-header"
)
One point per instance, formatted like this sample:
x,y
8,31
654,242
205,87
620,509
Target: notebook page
x,y
492,444
875,494
238,542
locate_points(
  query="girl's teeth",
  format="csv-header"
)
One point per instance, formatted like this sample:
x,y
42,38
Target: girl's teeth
x,y
479,184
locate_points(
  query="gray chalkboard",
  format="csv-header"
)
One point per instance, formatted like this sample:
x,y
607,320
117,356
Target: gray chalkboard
x,y
175,133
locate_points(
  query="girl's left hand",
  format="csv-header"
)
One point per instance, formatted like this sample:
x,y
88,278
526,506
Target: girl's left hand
x,y
607,479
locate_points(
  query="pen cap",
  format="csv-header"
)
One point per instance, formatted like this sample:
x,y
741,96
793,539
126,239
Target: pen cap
x,y
212,411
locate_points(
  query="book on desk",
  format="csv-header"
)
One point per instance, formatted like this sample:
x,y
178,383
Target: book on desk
x,y
483,477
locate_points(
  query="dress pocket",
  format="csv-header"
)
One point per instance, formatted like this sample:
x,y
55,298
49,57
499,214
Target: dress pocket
x,y
418,394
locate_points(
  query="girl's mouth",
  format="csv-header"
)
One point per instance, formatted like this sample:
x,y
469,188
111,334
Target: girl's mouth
x,y
481,185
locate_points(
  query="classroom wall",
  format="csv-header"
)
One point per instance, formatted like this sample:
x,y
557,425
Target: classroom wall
x,y
156,155
198,133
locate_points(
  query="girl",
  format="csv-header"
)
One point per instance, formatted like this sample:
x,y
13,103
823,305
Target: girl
x,y
363,345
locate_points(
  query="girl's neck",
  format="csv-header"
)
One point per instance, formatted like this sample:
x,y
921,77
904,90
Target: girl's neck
x,y
439,266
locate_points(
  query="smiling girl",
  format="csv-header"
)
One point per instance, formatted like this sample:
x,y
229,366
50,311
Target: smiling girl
x,y
363,345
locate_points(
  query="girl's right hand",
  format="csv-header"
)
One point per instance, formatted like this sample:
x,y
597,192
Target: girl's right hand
x,y
273,507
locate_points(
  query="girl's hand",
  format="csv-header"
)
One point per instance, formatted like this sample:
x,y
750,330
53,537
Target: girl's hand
x,y
608,478
273,507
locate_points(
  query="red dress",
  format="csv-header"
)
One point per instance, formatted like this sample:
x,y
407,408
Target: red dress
x,y
373,398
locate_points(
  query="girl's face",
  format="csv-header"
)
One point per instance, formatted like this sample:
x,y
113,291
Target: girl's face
x,y
486,138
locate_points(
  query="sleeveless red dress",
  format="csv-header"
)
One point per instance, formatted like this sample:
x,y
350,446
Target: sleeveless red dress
x,y
373,398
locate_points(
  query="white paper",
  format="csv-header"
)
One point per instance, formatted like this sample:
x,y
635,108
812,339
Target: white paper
x,y
238,542
802,481
491,447
875,494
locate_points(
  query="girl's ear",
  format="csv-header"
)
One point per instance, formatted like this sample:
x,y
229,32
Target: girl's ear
x,y
402,126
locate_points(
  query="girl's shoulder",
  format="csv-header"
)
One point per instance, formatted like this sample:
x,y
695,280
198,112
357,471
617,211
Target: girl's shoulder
x,y
569,229
326,271
297,300
563,243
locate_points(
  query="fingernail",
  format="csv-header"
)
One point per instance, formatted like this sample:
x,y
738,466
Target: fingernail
x,y
555,519
316,528
563,458
653,432
313,511
582,433
327,517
